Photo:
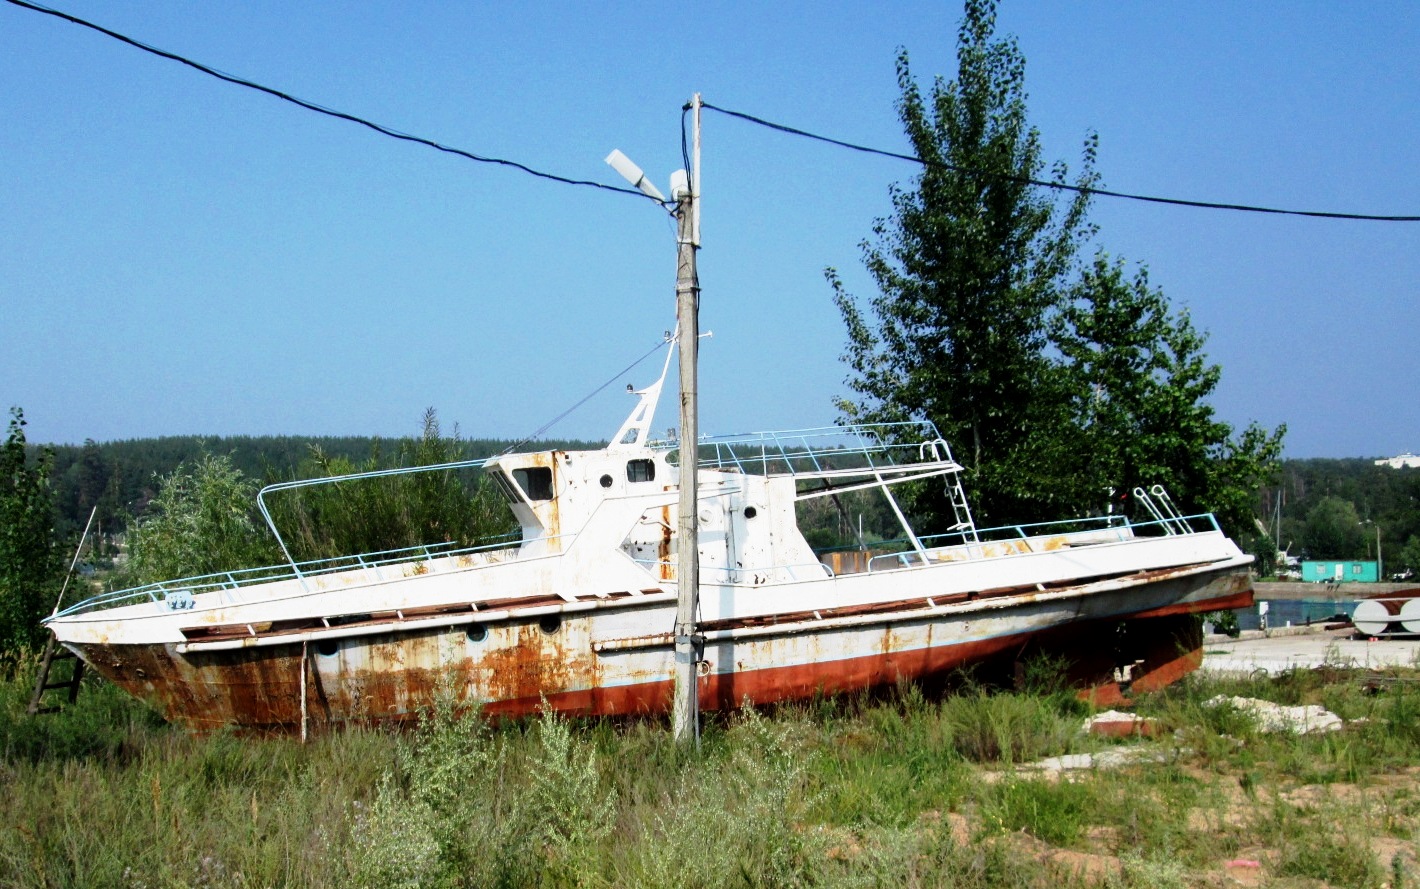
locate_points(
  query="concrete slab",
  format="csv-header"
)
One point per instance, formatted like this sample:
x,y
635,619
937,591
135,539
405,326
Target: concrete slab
x,y
1305,648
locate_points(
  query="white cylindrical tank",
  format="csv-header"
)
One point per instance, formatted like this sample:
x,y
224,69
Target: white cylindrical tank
x,y
1373,617
1410,615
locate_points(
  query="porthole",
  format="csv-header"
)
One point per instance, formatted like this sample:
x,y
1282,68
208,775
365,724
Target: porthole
x,y
606,481
751,512
477,632
550,623
327,647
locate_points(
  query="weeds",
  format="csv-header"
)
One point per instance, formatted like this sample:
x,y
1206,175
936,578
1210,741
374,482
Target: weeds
x,y
1334,857
1053,811
845,792
1007,727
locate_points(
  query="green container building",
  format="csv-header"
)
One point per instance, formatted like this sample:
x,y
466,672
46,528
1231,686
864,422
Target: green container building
x,y
1346,571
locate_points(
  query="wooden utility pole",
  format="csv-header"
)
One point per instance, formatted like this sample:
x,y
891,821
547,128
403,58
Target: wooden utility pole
x,y
689,648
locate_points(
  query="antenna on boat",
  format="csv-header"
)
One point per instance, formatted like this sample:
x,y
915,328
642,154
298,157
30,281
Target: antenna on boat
x,y
689,646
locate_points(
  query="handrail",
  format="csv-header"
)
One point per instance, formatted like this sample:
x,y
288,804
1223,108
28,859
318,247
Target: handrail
x,y
938,542
244,577
814,446
353,476
1165,502
1143,497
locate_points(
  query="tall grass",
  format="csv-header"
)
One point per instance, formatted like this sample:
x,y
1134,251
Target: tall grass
x,y
905,791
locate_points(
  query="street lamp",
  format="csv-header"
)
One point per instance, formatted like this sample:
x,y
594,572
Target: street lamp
x,y
689,646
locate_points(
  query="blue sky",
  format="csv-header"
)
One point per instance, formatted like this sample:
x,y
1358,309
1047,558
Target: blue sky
x,y
178,255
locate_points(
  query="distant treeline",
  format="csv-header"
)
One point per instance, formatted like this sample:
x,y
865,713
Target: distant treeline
x,y
121,477
1319,508
1333,509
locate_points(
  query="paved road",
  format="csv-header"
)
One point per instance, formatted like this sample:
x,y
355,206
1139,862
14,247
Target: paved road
x,y
1306,648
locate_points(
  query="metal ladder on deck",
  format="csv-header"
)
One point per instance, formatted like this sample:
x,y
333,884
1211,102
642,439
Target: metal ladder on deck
x,y
54,652
960,508
956,493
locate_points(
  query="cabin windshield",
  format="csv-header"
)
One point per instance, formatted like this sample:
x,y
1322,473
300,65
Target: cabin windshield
x,y
535,481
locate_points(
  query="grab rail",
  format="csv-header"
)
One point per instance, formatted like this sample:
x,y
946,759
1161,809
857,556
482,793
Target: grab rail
x,y
246,577
817,449
330,479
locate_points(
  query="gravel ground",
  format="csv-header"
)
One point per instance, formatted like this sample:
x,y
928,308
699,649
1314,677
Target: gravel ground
x,y
1306,647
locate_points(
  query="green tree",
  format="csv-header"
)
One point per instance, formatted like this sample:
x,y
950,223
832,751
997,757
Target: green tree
x,y
1057,384
969,270
1406,560
30,563
1139,387
1333,531
200,522
374,515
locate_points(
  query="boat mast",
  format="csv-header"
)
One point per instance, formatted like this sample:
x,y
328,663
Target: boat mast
x,y
689,648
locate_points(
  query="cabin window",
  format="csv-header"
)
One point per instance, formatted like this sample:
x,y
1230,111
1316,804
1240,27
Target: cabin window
x,y
550,623
476,632
606,481
327,647
640,470
536,482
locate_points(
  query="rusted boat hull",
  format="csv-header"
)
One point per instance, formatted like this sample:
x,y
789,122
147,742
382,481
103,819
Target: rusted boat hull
x,y
604,663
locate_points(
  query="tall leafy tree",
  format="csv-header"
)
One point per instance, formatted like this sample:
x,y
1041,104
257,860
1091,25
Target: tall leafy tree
x,y
969,269
1333,530
29,559
1055,381
1139,386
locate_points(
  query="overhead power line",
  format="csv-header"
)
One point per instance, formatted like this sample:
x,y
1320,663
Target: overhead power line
x,y
321,109
750,118
1059,186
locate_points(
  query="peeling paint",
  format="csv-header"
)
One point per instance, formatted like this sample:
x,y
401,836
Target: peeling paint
x,y
579,613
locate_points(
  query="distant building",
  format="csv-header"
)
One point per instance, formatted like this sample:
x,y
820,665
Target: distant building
x,y
1405,460
1340,572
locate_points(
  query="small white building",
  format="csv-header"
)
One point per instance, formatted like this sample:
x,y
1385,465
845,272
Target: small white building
x,y
1405,460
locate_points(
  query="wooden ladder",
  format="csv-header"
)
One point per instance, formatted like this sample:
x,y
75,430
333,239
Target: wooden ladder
x,y
53,652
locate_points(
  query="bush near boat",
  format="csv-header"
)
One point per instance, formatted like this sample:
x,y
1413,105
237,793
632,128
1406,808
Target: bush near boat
x,y
907,791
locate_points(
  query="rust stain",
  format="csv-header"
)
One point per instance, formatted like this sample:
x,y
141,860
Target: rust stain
x,y
663,550
523,662
390,675
548,510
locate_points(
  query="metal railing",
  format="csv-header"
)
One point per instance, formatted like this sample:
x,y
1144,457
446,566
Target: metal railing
x,y
818,450
181,590
335,479
1111,524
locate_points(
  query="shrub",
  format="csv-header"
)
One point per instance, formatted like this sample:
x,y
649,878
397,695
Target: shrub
x,y
1051,811
202,521
1006,727
1340,860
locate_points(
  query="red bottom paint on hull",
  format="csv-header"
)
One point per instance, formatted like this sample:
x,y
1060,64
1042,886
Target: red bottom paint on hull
x,y
261,689
1166,645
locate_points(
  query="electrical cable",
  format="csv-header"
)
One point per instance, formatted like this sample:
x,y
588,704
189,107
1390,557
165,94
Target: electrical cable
x,y
557,419
685,151
1060,186
320,109
750,118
